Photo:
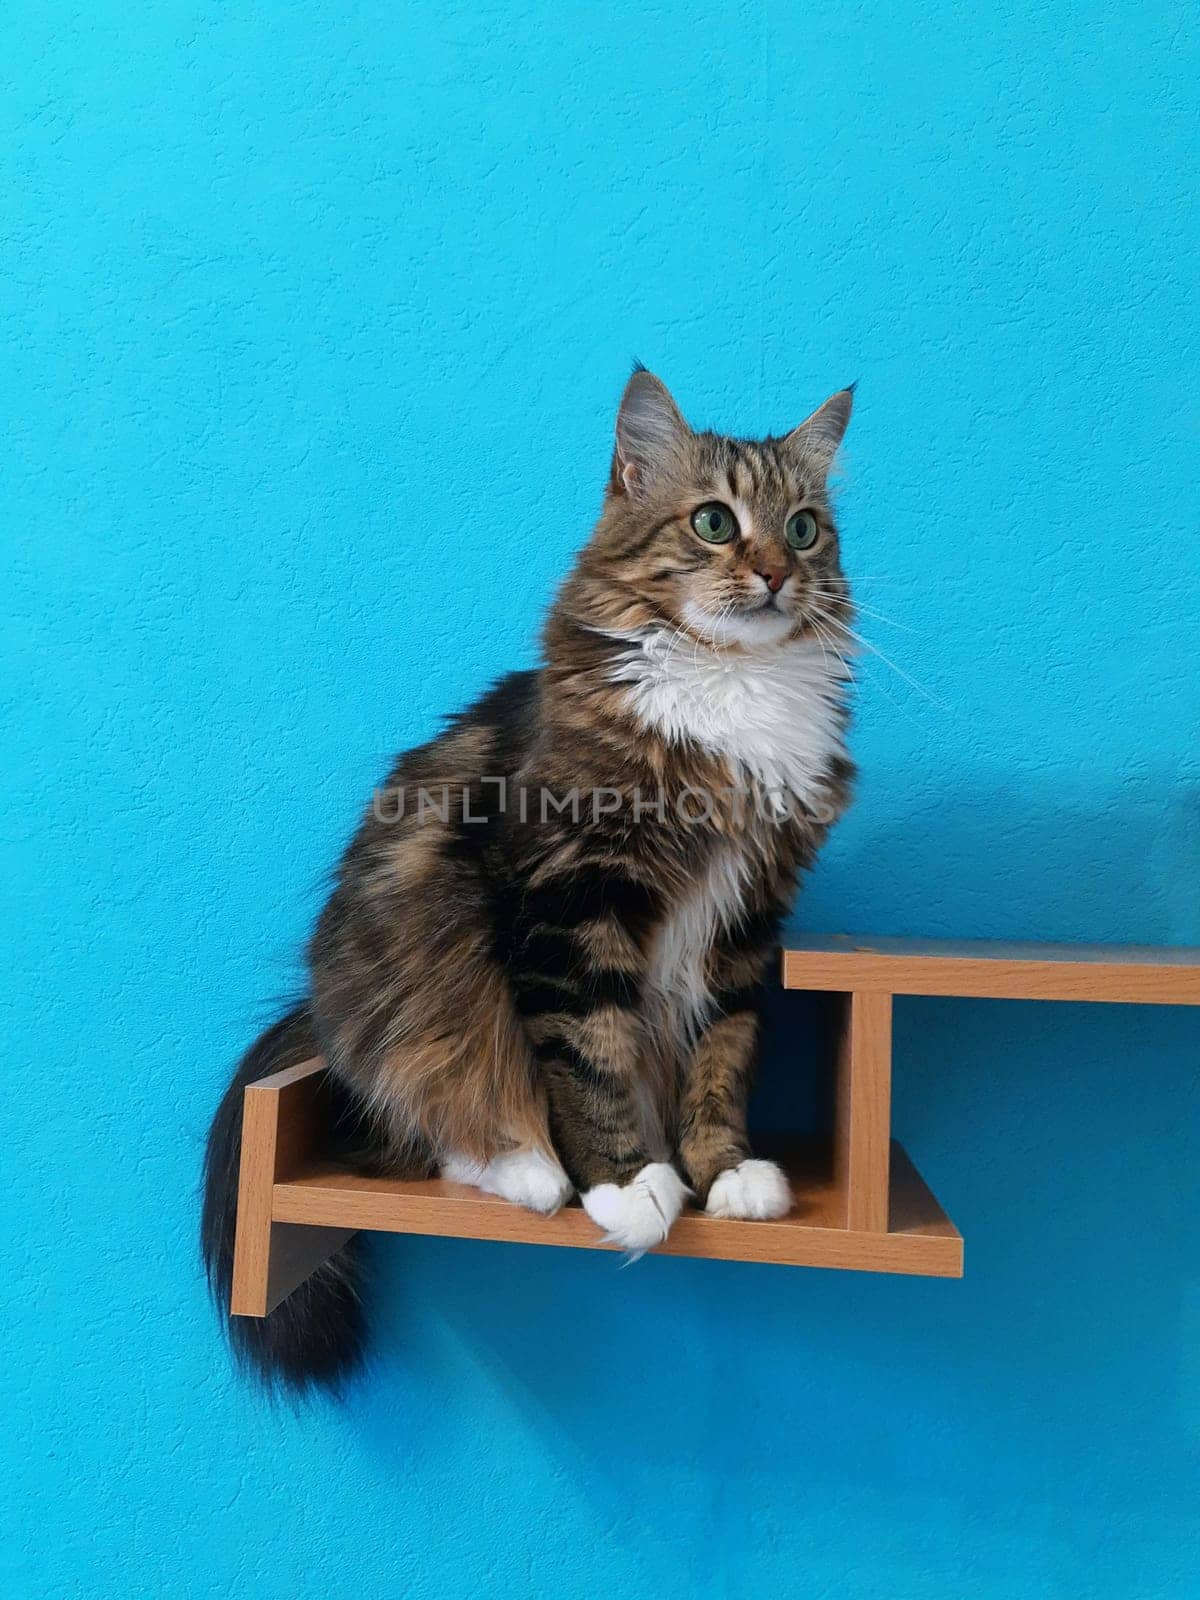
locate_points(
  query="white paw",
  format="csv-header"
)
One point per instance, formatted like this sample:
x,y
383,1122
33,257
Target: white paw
x,y
751,1189
461,1169
526,1177
638,1215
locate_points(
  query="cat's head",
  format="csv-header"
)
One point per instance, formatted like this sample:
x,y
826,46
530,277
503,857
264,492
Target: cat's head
x,y
732,541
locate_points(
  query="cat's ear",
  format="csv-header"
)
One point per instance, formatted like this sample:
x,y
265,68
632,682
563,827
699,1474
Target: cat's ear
x,y
652,437
821,433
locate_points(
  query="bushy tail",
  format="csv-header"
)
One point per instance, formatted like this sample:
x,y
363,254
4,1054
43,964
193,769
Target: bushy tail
x,y
316,1337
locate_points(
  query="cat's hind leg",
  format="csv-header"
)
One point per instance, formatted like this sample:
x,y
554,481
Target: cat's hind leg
x,y
528,1177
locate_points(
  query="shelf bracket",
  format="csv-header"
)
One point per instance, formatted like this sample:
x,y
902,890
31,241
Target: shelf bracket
x,y
279,1134
863,1115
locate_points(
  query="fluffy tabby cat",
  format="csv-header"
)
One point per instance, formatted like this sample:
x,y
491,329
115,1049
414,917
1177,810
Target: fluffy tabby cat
x,y
549,996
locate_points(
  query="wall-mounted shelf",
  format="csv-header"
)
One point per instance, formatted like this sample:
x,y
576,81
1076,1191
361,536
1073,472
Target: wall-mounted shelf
x,y
987,969
858,1201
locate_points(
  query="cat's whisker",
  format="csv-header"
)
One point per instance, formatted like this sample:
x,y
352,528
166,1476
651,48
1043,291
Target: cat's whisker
x,y
714,631
724,615
678,633
867,611
898,670
826,634
821,640
861,669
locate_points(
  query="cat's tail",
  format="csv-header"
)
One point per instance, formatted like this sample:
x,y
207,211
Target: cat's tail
x,y
316,1337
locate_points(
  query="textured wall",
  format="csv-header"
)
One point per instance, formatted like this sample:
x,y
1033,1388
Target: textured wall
x,y
314,320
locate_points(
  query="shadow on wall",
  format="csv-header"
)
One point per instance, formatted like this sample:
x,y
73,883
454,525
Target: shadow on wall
x,y
1062,1139
1063,854
989,861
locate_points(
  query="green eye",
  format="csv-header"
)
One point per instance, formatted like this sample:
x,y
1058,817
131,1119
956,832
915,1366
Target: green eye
x,y
801,530
715,523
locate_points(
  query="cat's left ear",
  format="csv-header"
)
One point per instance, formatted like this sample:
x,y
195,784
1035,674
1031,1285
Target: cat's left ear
x,y
821,433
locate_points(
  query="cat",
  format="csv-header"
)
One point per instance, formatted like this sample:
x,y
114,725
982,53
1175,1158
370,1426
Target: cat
x,y
538,970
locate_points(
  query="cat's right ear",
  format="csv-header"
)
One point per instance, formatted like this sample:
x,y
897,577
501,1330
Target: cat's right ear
x,y
652,437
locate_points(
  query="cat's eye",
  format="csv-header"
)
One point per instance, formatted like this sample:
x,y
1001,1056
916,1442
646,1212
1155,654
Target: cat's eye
x,y
801,531
715,523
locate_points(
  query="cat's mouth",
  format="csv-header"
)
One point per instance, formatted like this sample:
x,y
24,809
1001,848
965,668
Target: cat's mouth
x,y
761,623
767,609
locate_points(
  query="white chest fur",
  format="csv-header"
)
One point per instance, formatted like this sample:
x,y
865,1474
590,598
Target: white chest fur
x,y
775,715
678,974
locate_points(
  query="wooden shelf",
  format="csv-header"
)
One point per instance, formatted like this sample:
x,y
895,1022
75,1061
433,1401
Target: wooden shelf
x,y
858,1201
995,970
920,1238
294,1211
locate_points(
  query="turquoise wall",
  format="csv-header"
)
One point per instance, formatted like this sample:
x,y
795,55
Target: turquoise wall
x,y
314,321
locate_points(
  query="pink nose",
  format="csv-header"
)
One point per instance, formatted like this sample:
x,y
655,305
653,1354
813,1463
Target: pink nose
x,y
773,577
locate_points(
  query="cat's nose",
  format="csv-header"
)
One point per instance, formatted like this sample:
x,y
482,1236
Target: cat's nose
x,y
772,576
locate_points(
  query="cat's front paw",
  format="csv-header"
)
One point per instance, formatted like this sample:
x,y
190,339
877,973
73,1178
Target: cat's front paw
x,y
756,1189
638,1215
